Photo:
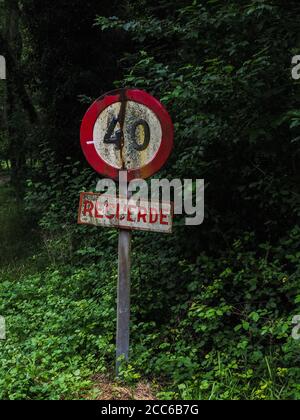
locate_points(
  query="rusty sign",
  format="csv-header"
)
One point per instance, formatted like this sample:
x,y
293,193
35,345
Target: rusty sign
x,y
127,129
103,210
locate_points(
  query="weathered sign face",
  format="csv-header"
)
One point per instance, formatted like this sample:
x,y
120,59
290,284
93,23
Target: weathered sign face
x,y
104,210
127,130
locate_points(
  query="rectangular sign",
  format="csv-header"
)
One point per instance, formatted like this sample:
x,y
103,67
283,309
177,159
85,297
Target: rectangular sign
x,y
104,210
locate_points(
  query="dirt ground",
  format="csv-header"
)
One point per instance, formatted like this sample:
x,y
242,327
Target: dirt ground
x,y
109,390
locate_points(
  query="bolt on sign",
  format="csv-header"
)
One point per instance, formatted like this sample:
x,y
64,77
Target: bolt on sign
x,y
109,211
126,130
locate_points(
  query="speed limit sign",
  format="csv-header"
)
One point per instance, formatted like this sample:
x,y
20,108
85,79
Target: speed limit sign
x,y
129,130
125,130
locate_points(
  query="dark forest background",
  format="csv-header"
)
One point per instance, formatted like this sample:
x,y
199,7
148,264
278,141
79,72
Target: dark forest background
x,y
212,305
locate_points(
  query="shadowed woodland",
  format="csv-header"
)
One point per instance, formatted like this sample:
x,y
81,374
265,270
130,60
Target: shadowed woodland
x,y
212,305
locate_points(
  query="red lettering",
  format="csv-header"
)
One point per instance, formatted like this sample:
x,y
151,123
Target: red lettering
x,y
98,214
162,217
153,216
88,208
108,214
142,215
129,214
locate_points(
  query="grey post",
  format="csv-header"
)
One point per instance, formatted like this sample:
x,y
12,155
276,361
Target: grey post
x,y
123,305
123,310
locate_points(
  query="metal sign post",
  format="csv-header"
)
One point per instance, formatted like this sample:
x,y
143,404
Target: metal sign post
x,y
123,292
126,130
123,305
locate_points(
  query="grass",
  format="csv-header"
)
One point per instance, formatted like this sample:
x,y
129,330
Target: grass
x,y
51,346
61,332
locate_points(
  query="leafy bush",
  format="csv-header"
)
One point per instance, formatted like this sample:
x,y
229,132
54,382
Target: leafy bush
x,y
212,305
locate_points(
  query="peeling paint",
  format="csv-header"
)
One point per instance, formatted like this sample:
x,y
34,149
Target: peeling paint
x,y
108,211
133,158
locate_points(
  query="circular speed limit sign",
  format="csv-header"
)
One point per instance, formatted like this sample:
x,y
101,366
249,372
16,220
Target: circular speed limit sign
x,y
127,129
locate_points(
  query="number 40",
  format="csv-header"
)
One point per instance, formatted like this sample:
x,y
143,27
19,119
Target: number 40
x,y
115,138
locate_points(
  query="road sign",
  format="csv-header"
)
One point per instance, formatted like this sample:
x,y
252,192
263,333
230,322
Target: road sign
x,y
127,129
108,211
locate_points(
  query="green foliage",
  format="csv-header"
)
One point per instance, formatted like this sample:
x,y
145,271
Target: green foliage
x,y
205,332
212,306
234,104
44,355
14,232
227,321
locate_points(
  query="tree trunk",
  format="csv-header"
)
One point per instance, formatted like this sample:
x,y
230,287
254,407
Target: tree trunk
x,y
14,97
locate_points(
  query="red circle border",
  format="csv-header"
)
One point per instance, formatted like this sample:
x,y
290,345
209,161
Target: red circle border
x,y
87,131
